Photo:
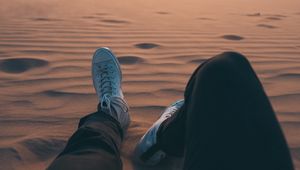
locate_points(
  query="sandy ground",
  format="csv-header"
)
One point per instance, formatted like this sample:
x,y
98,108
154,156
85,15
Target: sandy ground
x,y
46,49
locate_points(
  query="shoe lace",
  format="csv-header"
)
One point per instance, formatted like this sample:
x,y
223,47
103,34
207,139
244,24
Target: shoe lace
x,y
171,111
174,108
106,85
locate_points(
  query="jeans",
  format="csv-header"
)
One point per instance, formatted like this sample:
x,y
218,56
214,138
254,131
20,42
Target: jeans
x,y
226,123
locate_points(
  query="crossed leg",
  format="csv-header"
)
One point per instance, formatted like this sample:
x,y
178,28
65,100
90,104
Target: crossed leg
x,y
226,123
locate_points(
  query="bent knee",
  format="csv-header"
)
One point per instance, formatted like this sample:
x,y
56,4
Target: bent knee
x,y
227,62
233,57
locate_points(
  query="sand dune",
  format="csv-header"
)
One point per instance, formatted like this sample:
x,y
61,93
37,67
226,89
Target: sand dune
x,y
45,59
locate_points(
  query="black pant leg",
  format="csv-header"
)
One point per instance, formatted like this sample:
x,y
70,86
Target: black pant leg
x,y
230,123
94,146
172,132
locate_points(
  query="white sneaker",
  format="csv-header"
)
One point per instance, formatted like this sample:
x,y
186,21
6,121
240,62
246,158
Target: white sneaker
x,y
107,78
147,150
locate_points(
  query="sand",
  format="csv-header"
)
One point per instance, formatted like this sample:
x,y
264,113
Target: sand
x,y
45,57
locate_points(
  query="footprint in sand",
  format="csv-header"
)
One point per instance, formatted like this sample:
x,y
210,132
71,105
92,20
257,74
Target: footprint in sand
x,y
42,19
278,15
55,93
162,13
266,26
129,60
233,37
20,65
115,21
273,18
254,15
204,19
89,17
147,45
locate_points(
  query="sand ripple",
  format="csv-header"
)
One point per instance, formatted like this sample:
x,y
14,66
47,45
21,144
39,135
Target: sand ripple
x,y
44,148
45,66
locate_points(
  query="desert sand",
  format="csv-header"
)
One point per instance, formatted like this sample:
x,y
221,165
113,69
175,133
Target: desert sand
x,y
45,57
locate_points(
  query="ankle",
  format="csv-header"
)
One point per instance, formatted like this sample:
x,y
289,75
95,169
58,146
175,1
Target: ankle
x,y
117,108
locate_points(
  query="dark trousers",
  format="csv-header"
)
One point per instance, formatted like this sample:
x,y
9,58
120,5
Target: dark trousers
x,y
94,146
226,123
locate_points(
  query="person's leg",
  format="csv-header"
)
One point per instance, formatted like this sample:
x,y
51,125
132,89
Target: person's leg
x,y
226,122
172,132
95,145
149,150
230,123
165,137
